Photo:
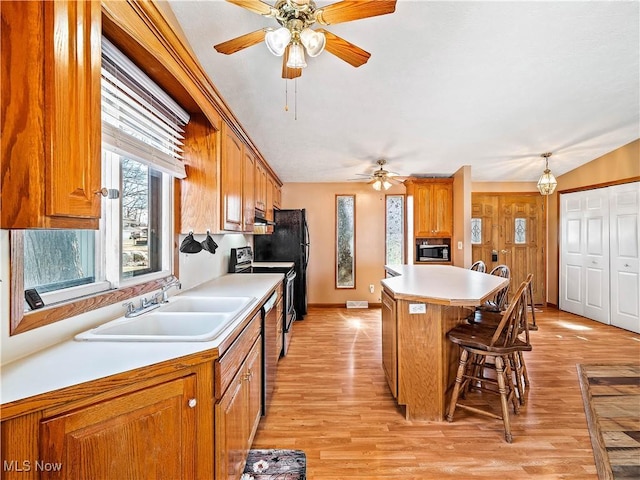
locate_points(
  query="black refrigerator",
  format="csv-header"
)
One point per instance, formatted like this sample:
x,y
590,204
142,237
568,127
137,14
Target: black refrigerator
x,y
289,242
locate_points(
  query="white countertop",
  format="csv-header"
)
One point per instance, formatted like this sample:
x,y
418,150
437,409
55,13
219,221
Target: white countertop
x,y
74,362
442,284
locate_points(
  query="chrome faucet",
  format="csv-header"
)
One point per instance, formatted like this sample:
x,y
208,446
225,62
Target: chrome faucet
x,y
161,296
156,300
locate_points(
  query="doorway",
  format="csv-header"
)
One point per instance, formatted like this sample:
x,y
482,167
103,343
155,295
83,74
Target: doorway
x,y
510,229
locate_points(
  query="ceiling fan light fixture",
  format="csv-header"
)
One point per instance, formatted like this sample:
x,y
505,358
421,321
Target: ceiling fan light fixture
x,y
547,182
296,56
377,185
277,40
313,41
386,184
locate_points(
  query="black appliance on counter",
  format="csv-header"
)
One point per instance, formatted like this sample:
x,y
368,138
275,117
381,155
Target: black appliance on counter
x,y
241,261
288,242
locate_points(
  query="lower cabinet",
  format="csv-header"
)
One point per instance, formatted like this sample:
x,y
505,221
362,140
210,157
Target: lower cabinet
x,y
390,342
145,434
237,415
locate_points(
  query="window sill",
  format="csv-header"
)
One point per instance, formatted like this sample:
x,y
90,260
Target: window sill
x,y
24,321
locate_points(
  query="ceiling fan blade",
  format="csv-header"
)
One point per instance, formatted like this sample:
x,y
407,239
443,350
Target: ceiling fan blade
x,y
239,43
344,50
255,6
349,10
288,72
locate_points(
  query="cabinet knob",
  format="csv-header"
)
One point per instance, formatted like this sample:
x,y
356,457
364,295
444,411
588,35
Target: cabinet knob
x,y
248,375
627,265
103,191
192,402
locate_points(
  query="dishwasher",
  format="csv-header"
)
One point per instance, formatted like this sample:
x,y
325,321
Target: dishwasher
x,y
269,354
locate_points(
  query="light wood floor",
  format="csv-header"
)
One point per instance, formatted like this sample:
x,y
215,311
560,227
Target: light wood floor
x,y
331,400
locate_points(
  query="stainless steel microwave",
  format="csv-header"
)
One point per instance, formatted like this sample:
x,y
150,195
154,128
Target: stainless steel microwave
x,y
432,253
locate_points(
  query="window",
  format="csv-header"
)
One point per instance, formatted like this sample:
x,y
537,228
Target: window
x,y
394,230
142,129
345,241
476,231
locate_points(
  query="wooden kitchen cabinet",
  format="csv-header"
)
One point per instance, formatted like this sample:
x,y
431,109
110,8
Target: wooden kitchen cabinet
x,y
199,192
270,189
390,342
248,188
238,411
231,179
432,207
261,187
146,434
50,100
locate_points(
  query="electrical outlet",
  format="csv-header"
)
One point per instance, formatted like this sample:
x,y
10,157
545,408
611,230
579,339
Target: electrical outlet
x,y
371,288
417,308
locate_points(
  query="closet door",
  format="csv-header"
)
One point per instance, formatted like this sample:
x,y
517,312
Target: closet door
x,y
584,265
625,253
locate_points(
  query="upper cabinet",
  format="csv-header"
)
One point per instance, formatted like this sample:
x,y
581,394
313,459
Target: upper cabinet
x,y
50,102
199,191
432,207
249,188
231,181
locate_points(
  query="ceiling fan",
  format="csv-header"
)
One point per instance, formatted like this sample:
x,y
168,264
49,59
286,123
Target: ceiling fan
x,y
295,35
381,178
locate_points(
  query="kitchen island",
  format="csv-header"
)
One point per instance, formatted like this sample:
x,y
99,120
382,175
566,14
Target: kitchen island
x,y
420,304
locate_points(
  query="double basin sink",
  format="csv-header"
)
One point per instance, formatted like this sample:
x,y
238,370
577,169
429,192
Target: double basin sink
x,y
182,319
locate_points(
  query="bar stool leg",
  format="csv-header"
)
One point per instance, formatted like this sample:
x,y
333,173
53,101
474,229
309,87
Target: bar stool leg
x,y
456,389
503,398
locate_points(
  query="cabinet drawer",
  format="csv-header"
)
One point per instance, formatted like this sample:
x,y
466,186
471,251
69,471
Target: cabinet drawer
x,y
226,367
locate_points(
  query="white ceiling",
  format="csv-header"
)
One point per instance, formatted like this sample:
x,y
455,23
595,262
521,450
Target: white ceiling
x,y
489,84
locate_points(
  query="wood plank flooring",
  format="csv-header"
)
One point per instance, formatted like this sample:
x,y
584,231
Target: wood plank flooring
x,y
332,401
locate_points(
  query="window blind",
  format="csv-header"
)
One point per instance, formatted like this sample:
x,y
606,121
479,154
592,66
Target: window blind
x,y
139,119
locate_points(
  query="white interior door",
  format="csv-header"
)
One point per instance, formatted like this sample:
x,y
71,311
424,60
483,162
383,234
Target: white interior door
x,y
571,261
625,254
584,255
596,255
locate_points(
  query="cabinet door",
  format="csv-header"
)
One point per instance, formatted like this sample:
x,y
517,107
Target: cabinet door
x,y
270,189
231,180
72,105
231,427
441,210
199,191
145,434
421,213
51,152
253,378
249,186
261,187
389,342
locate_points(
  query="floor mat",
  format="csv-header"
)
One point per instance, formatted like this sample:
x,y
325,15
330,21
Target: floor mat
x,y
611,395
275,465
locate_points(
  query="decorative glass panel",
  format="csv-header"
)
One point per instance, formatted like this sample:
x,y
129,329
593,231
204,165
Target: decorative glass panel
x,y
520,230
394,226
476,230
345,241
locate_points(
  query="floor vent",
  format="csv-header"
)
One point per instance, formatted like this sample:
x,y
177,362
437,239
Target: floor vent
x,y
357,304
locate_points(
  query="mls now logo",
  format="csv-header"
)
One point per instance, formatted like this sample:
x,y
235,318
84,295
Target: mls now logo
x,y
28,465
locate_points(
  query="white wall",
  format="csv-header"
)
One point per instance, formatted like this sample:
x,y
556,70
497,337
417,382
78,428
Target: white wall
x,y
194,269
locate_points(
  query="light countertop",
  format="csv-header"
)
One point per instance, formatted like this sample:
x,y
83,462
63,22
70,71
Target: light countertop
x,y
441,284
74,362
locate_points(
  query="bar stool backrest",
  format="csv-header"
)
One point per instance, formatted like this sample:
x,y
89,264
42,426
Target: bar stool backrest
x,y
500,299
513,323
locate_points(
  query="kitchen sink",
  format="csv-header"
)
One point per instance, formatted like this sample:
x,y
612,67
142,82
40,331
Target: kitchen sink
x,y
183,319
206,304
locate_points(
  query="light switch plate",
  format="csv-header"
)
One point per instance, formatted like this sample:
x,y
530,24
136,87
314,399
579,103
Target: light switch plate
x,y
415,308
459,245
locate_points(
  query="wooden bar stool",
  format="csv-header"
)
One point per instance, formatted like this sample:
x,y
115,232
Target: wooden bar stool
x,y
479,342
479,266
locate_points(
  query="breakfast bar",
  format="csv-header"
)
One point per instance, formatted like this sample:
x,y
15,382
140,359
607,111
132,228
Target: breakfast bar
x,y
420,304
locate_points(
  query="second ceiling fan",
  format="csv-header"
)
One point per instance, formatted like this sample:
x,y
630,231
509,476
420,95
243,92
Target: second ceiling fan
x,y
295,36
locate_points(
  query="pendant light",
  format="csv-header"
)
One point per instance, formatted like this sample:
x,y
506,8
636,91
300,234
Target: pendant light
x,y
547,183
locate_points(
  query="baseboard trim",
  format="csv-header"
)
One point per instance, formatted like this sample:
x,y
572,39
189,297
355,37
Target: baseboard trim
x,y
340,305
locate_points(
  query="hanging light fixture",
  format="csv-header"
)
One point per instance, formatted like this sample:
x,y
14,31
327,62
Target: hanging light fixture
x,y
296,56
277,40
547,183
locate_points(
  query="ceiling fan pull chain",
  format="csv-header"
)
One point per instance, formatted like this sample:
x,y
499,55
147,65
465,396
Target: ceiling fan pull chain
x,y
286,95
295,99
